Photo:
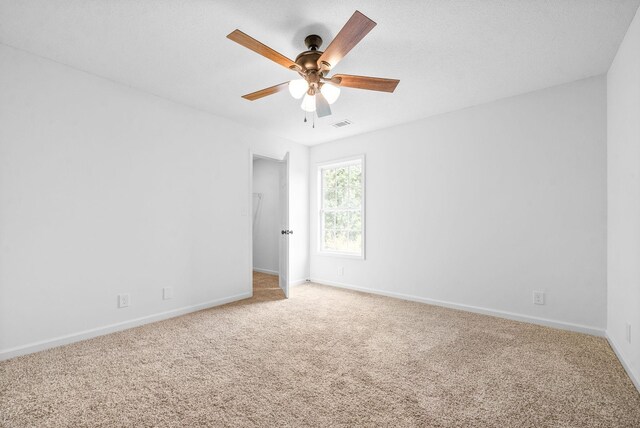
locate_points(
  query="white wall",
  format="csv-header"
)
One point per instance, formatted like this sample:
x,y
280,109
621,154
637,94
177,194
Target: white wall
x,y
483,206
266,211
623,151
107,190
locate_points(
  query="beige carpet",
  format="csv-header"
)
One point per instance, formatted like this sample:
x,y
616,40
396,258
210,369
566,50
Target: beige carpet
x,y
325,357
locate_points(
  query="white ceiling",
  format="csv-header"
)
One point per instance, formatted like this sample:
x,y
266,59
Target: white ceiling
x,y
447,54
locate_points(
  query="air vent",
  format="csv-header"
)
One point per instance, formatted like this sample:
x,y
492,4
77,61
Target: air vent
x,y
342,123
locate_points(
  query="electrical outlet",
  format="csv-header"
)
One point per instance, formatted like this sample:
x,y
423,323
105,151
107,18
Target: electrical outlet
x,y
628,332
123,300
167,293
538,297
340,271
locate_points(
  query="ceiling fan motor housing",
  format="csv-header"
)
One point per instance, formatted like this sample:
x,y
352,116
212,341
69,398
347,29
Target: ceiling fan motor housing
x,y
308,60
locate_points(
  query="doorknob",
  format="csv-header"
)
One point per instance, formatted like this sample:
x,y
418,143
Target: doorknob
x,y
286,232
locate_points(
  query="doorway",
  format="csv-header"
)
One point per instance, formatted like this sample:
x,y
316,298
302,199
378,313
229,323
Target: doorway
x,y
270,232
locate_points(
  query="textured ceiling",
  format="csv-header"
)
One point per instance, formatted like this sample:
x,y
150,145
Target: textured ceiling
x,y
447,54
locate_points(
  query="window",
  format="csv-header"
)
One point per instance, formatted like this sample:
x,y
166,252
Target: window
x,y
342,207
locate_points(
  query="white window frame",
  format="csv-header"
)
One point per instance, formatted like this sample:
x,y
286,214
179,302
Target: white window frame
x,y
335,164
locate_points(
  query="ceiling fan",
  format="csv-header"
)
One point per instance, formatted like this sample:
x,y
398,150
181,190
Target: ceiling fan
x,y
315,87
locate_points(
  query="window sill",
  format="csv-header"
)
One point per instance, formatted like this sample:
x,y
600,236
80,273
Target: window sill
x,y
341,255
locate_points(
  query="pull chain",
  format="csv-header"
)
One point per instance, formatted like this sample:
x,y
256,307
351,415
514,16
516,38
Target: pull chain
x,y
313,124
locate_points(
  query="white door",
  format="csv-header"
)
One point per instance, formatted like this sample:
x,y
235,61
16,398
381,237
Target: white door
x,y
285,232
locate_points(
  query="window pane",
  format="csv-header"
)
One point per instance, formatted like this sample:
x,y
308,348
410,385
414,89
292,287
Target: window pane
x,y
355,220
329,220
355,242
356,197
330,200
353,199
342,240
342,175
342,196
355,176
342,220
329,178
330,240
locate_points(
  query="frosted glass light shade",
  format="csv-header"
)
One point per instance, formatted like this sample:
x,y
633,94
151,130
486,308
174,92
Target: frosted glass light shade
x,y
309,103
330,92
298,87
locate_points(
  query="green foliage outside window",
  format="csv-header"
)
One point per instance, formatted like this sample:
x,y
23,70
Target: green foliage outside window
x,y
342,208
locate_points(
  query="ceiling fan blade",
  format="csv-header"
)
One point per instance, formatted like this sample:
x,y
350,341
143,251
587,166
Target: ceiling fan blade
x,y
260,48
365,82
353,31
266,91
322,106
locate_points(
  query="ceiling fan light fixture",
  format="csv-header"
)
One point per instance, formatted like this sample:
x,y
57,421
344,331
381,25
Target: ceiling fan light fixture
x,y
298,87
330,92
308,103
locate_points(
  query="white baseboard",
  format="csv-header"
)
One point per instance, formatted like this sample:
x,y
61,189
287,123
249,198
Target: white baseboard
x,y
635,378
267,271
112,328
297,282
476,309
